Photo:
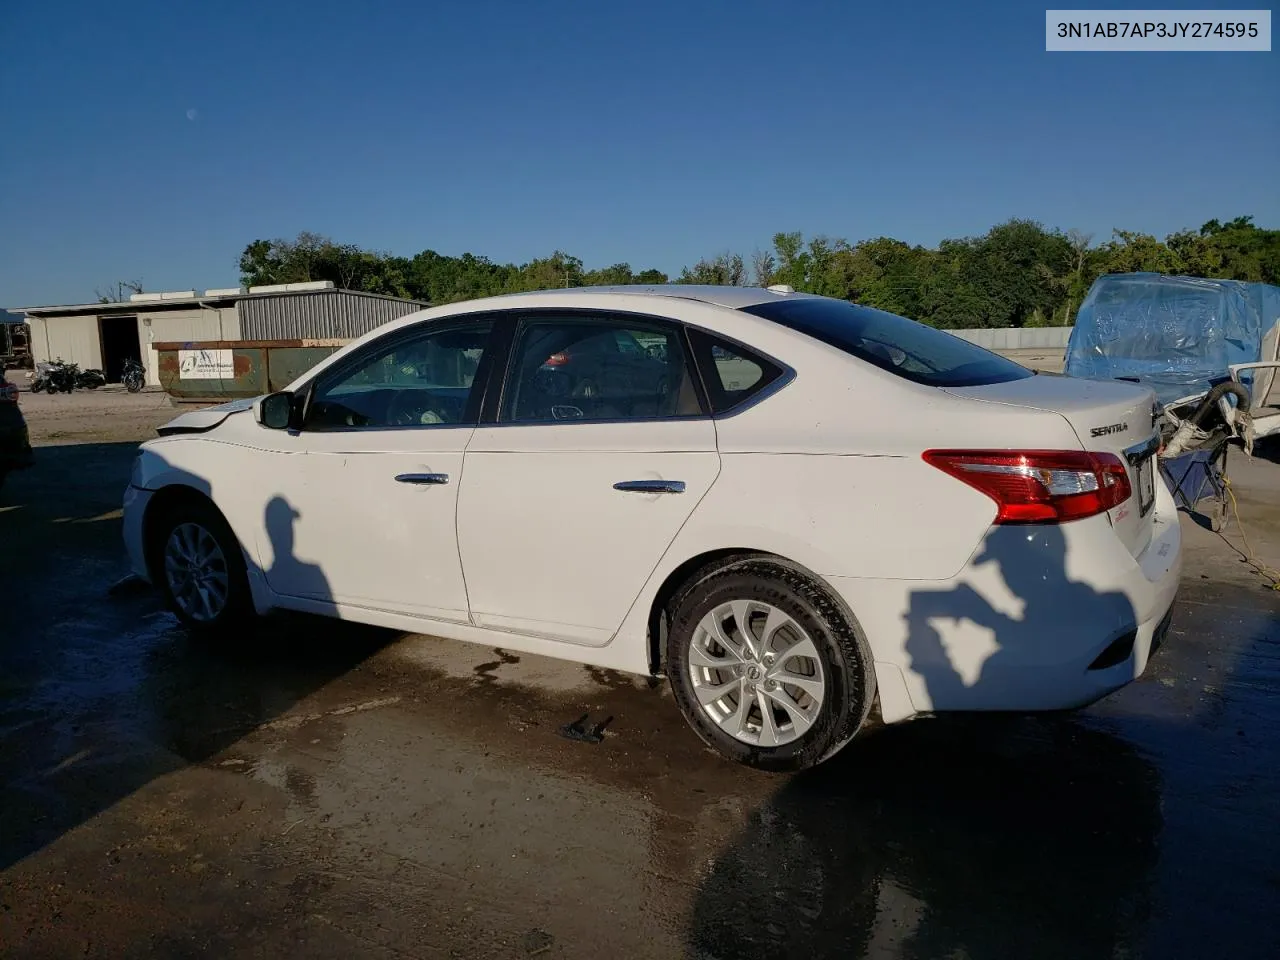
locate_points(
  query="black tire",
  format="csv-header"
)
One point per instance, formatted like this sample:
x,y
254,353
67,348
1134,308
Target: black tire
x,y
238,609
37,386
846,658
133,384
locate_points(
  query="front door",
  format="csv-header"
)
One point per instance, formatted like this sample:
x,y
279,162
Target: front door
x,y
600,453
370,519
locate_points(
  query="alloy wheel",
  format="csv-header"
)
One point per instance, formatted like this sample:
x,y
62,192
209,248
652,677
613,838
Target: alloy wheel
x,y
196,572
756,673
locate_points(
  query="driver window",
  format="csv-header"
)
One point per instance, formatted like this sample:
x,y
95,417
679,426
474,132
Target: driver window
x,y
421,380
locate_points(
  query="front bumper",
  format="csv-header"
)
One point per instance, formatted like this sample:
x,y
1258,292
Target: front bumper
x,y
135,508
1042,618
15,447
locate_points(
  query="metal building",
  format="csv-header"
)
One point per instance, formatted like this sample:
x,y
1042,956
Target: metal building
x,y
104,335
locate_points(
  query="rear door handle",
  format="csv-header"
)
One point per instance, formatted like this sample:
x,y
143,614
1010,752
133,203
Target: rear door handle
x,y
423,479
650,486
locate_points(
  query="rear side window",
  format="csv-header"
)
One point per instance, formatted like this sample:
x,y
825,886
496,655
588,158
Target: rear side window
x,y
732,374
605,368
903,347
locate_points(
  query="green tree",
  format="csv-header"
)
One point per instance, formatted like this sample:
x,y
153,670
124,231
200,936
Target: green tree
x,y
1129,252
557,270
727,270
617,275
1245,252
1017,273
260,264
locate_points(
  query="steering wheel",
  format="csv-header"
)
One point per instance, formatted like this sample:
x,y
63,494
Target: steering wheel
x,y
326,414
412,407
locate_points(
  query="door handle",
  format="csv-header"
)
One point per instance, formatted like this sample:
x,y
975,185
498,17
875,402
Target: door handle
x,y
423,479
650,486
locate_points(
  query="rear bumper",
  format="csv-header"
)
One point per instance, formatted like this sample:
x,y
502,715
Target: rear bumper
x,y
1042,618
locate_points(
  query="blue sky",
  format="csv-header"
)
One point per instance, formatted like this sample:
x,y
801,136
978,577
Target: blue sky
x,y
153,140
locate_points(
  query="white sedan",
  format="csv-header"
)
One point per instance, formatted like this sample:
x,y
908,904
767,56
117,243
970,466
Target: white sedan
x,y
797,509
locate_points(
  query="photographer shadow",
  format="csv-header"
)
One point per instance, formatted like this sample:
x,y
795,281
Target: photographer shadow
x,y
973,834
1011,625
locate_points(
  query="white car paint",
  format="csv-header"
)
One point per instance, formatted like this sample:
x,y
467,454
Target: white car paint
x,y
540,524
529,547
388,530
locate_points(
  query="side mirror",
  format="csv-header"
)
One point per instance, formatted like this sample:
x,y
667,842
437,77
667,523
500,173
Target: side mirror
x,y
275,410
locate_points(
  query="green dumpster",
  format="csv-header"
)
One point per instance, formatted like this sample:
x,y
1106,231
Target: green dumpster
x,y
218,370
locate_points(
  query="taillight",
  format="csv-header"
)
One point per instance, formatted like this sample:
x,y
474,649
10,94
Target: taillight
x,y
557,359
1040,486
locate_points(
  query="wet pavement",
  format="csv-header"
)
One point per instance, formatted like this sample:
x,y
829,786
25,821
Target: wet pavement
x,y
320,789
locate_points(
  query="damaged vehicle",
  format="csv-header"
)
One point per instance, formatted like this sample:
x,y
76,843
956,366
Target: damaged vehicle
x,y
812,511
1208,349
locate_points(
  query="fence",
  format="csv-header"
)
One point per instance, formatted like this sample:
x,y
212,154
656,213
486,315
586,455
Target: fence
x,y
1017,338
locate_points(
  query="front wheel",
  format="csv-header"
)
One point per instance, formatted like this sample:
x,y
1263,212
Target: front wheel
x,y
766,666
198,564
133,384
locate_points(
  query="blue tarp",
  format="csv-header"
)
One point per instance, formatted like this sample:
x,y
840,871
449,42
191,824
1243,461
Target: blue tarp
x,y
1174,334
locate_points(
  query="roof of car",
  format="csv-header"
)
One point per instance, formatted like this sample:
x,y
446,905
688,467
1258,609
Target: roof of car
x,y
732,297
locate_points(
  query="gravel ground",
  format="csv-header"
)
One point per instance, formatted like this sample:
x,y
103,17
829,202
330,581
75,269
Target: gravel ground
x,y
319,789
87,416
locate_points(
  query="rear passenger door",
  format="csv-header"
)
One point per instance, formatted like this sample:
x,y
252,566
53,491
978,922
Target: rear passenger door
x,y
600,451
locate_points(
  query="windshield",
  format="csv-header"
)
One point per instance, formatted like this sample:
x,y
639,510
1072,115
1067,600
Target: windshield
x,y
901,346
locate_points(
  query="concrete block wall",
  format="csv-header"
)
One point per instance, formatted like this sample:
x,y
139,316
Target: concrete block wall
x,y
1017,338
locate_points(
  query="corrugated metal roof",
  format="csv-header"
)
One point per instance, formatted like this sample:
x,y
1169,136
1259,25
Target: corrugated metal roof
x,y
338,313
209,298
121,306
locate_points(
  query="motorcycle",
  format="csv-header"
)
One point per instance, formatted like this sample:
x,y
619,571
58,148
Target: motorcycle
x,y
133,376
90,379
58,376
55,377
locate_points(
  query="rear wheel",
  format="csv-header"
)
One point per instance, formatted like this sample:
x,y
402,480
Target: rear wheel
x,y
200,568
767,667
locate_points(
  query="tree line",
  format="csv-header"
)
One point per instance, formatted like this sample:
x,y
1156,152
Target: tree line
x,y
1018,273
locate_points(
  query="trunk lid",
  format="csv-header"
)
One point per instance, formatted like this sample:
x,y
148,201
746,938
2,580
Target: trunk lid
x,y
1107,416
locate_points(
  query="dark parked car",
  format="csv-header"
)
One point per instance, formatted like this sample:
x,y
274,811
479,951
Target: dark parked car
x,y
15,444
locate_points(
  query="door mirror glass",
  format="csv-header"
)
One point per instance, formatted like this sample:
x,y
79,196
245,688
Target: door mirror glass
x,y
276,410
